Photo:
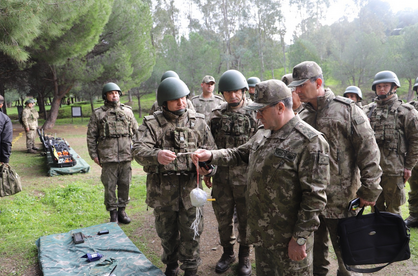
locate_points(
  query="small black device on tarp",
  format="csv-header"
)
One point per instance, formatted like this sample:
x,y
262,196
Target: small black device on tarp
x,y
375,238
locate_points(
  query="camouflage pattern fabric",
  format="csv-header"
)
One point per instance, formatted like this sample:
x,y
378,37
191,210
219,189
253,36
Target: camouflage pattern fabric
x,y
205,106
395,125
59,256
176,236
352,146
110,132
413,193
116,176
30,120
156,107
354,163
169,186
288,172
231,128
276,262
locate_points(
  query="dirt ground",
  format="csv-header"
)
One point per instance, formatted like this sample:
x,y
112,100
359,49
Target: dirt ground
x,y
210,249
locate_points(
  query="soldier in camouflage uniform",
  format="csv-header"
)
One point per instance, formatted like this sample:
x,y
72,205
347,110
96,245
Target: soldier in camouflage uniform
x,y
232,126
155,106
288,172
30,124
395,126
354,94
297,104
171,175
354,156
205,102
251,86
110,134
412,220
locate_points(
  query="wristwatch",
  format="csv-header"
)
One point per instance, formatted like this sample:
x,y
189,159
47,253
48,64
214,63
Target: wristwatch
x,y
300,241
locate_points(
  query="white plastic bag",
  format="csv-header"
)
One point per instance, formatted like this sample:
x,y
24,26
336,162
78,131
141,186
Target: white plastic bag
x,y
198,198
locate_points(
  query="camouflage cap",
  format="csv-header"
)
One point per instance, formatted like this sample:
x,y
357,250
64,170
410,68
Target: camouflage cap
x,y
304,71
269,92
208,79
287,79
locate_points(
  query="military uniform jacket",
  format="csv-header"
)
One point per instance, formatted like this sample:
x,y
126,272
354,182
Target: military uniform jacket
x,y
6,137
232,128
111,131
169,185
30,118
205,106
395,126
352,147
288,172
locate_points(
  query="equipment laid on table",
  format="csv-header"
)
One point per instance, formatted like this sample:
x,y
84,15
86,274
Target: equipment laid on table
x,y
60,151
375,238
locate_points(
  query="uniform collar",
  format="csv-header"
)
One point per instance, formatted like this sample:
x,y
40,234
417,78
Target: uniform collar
x,y
285,131
387,102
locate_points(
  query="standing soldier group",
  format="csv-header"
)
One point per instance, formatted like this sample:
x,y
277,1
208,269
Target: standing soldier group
x,y
287,160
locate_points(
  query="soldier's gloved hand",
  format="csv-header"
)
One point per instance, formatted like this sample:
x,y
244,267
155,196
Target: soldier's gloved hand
x,y
165,157
97,161
406,175
208,181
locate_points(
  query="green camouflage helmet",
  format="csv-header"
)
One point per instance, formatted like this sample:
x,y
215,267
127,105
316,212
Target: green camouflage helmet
x,y
385,76
253,81
171,89
169,74
29,101
416,85
354,90
232,80
110,87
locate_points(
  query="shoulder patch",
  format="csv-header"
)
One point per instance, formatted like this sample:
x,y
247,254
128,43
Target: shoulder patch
x,y
343,100
307,131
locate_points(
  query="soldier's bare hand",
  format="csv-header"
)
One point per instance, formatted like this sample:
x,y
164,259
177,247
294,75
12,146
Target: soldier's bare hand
x,y
208,181
364,203
295,251
165,157
201,155
97,161
406,175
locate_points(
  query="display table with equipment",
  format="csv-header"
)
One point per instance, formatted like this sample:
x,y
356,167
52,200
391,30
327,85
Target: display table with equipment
x,y
61,158
102,249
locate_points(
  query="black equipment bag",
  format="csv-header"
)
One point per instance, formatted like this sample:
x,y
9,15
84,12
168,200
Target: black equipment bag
x,y
375,238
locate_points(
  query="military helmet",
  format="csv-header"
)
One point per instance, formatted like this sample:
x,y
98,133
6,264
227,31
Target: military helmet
x,y
415,85
385,76
170,89
253,81
29,101
110,87
354,90
169,74
232,80
287,79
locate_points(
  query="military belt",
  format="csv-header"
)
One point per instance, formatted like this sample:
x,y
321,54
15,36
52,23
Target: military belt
x,y
170,173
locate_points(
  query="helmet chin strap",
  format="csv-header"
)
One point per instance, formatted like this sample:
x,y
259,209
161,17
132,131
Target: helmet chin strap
x,y
391,92
177,112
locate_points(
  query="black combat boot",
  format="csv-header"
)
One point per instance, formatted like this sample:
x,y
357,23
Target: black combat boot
x,y
172,269
412,221
122,216
190,272
224,263
114,216
244,265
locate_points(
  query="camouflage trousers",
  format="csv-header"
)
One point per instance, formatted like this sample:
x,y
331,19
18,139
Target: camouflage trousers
x,y
116,176
320,256
177,238
276,262
413,193
393,195
30,139
229,196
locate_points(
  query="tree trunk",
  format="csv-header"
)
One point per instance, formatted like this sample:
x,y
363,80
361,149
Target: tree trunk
x,y
91,104
139,107
410,96
130,96
4,108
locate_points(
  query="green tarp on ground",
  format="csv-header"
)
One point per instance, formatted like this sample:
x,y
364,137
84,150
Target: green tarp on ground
x,y
80,167
60,256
